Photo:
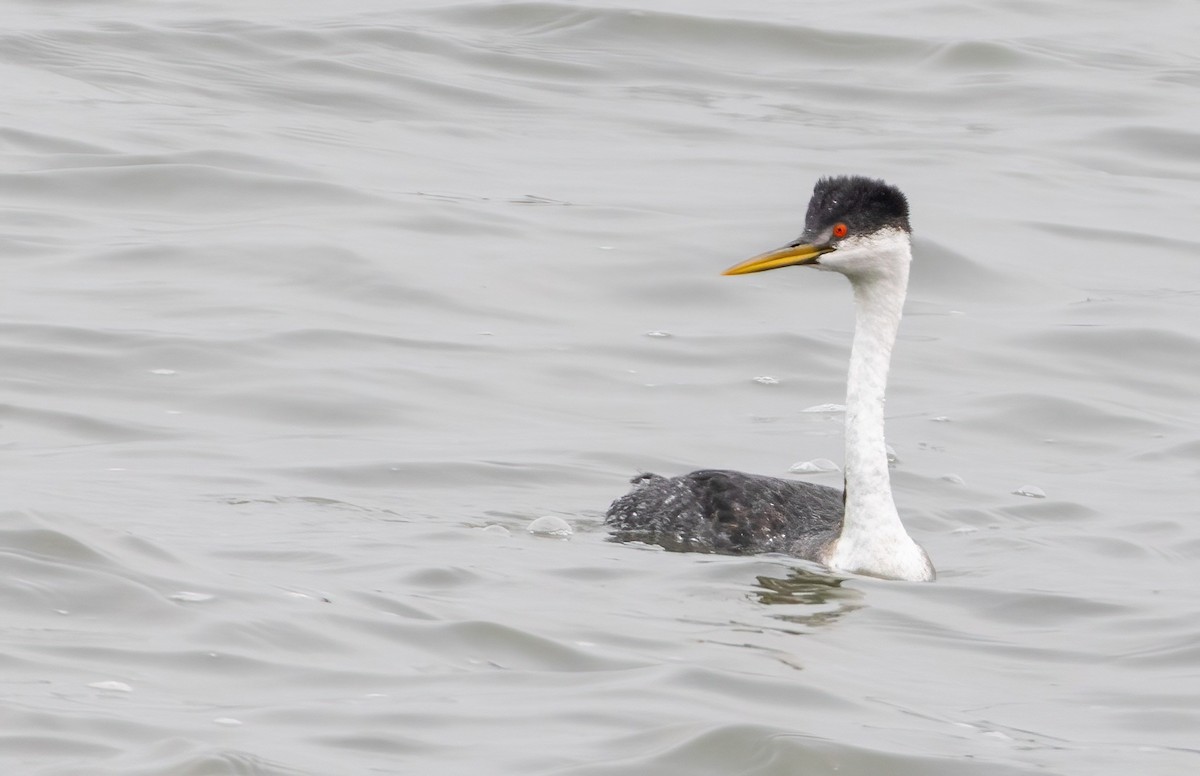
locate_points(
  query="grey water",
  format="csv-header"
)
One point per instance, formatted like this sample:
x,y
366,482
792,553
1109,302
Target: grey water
x,y
308,310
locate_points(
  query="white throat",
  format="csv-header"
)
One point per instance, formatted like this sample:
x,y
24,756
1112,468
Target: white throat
x,y
873,540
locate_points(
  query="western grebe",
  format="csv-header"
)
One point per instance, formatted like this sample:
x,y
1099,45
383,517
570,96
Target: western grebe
x,y
860,228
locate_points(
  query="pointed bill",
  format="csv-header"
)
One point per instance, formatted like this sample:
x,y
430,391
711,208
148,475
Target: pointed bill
x,y
787,256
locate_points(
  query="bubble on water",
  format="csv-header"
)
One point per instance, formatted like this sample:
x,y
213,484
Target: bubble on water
x,y
189,597
550,525
826,408
228,721
495,530
815,466
766,380
1030,491
954,479
941,419
111,685
659,334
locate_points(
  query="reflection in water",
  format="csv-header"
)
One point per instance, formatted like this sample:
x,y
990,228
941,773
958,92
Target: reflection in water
x,y
809,589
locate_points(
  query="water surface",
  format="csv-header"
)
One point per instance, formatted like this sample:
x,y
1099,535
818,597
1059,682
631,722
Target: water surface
x,y
308,310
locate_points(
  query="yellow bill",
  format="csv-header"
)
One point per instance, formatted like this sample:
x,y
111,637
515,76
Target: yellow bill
x,y
788,256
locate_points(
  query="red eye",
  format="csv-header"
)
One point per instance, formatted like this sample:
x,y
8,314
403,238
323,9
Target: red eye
x,y
840,230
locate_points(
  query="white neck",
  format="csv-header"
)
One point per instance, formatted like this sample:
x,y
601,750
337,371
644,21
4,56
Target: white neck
x,y
873,540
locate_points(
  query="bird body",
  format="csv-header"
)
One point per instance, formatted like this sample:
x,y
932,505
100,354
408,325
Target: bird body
x,y
730,513
860,228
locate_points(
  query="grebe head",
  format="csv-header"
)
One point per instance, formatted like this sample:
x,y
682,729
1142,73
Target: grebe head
x,y
856,226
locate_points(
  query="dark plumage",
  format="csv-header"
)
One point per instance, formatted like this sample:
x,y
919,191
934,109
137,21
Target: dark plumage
x,y
864,204
728,512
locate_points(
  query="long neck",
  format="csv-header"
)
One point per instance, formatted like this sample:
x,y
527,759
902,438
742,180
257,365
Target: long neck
x,y
878,303
873,540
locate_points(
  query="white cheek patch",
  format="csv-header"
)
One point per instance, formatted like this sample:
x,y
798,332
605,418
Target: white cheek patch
x,y
882,252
